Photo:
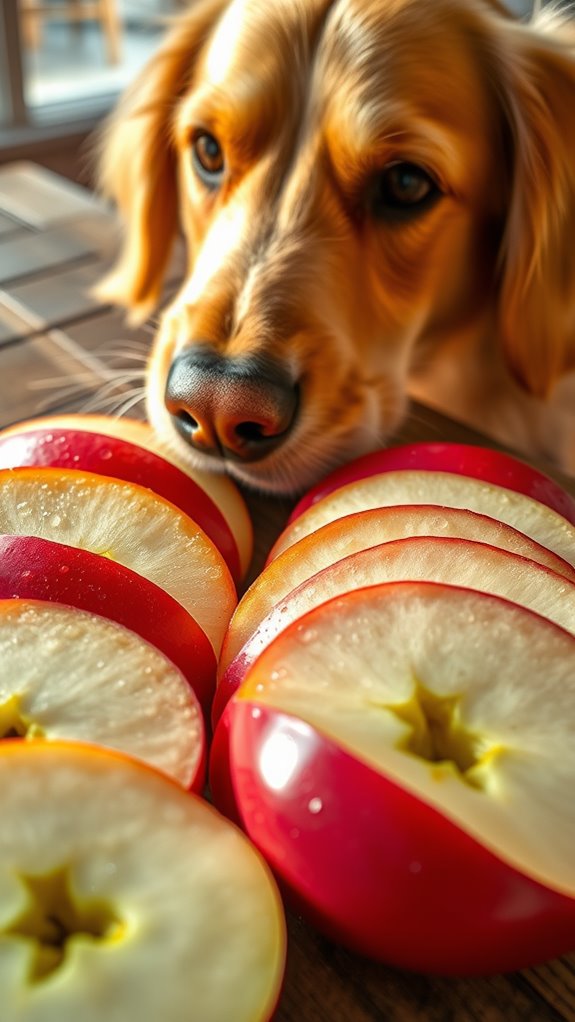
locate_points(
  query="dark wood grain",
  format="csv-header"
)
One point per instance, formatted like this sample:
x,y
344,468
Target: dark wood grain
x,y
55,356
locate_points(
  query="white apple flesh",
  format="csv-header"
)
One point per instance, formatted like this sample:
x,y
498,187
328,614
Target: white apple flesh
x,y
128,524
347,535
417,740
124,897
445,489
219,488
456,562
67,674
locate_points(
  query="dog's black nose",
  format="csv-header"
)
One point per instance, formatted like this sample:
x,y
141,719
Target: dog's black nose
x,y
241,408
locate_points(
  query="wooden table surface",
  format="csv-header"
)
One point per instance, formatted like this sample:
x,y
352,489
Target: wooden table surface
x,y
62,352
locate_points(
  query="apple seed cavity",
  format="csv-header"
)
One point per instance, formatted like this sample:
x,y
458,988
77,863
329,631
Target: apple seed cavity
x,y
16,724
438,735
53,917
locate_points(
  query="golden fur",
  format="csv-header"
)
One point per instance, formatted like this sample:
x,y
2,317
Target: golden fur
x,y
469,304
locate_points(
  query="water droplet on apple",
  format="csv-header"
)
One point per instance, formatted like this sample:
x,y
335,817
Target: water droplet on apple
x,y
55,521
278,674
315,805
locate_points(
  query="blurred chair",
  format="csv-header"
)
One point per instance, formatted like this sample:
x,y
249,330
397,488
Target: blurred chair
x,y
35,12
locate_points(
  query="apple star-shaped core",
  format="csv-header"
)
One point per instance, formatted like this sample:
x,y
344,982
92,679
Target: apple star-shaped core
x,y
14,723
439,735
54,916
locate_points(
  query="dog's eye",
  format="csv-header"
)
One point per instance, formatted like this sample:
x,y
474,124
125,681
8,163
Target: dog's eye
x,y
403,190
208,159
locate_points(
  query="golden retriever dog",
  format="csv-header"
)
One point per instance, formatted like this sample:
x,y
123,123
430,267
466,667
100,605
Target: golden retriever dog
x,y
378,199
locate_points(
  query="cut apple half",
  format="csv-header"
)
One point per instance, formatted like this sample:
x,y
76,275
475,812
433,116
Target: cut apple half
x,y
128,524
361,530
37,569
444,489
219,488
470,460
416,739
456,562
50,447
125,897
68,674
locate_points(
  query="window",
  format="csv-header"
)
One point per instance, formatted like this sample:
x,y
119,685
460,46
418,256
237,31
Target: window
x,y
64,62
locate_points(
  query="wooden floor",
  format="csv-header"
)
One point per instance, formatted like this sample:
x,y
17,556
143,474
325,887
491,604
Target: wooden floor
x,y
61,351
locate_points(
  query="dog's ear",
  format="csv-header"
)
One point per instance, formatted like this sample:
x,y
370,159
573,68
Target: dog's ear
x,y
536,80
137,166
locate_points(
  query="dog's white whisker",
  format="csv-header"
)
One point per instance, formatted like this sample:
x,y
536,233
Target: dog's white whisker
x,y
48,383
123,353
106,406
119,382
129,404
60,397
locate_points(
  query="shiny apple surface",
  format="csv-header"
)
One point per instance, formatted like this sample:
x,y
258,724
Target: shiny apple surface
x,y
39,569
403,757
110,456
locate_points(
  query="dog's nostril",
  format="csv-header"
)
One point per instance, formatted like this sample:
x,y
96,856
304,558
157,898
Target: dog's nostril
x,y
239,409
198,432
251,432
186,419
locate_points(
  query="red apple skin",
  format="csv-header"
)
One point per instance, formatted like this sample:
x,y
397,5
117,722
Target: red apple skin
x,y
375,868
109,456
229,683
462,459
38,569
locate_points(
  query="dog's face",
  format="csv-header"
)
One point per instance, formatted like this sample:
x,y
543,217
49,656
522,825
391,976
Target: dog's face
x,y
343,182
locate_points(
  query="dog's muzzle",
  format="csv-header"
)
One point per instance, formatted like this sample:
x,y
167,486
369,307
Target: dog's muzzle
x,y
237,408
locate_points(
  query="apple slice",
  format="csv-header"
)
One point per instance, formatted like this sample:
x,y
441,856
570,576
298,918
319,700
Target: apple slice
x,y
49,447
464,459
455,562
219,488
347,535
403,757
128,524
37,569
73,675
444,489
125,897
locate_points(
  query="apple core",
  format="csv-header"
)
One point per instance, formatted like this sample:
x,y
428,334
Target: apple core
x,y
14,723
54,917
438,734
